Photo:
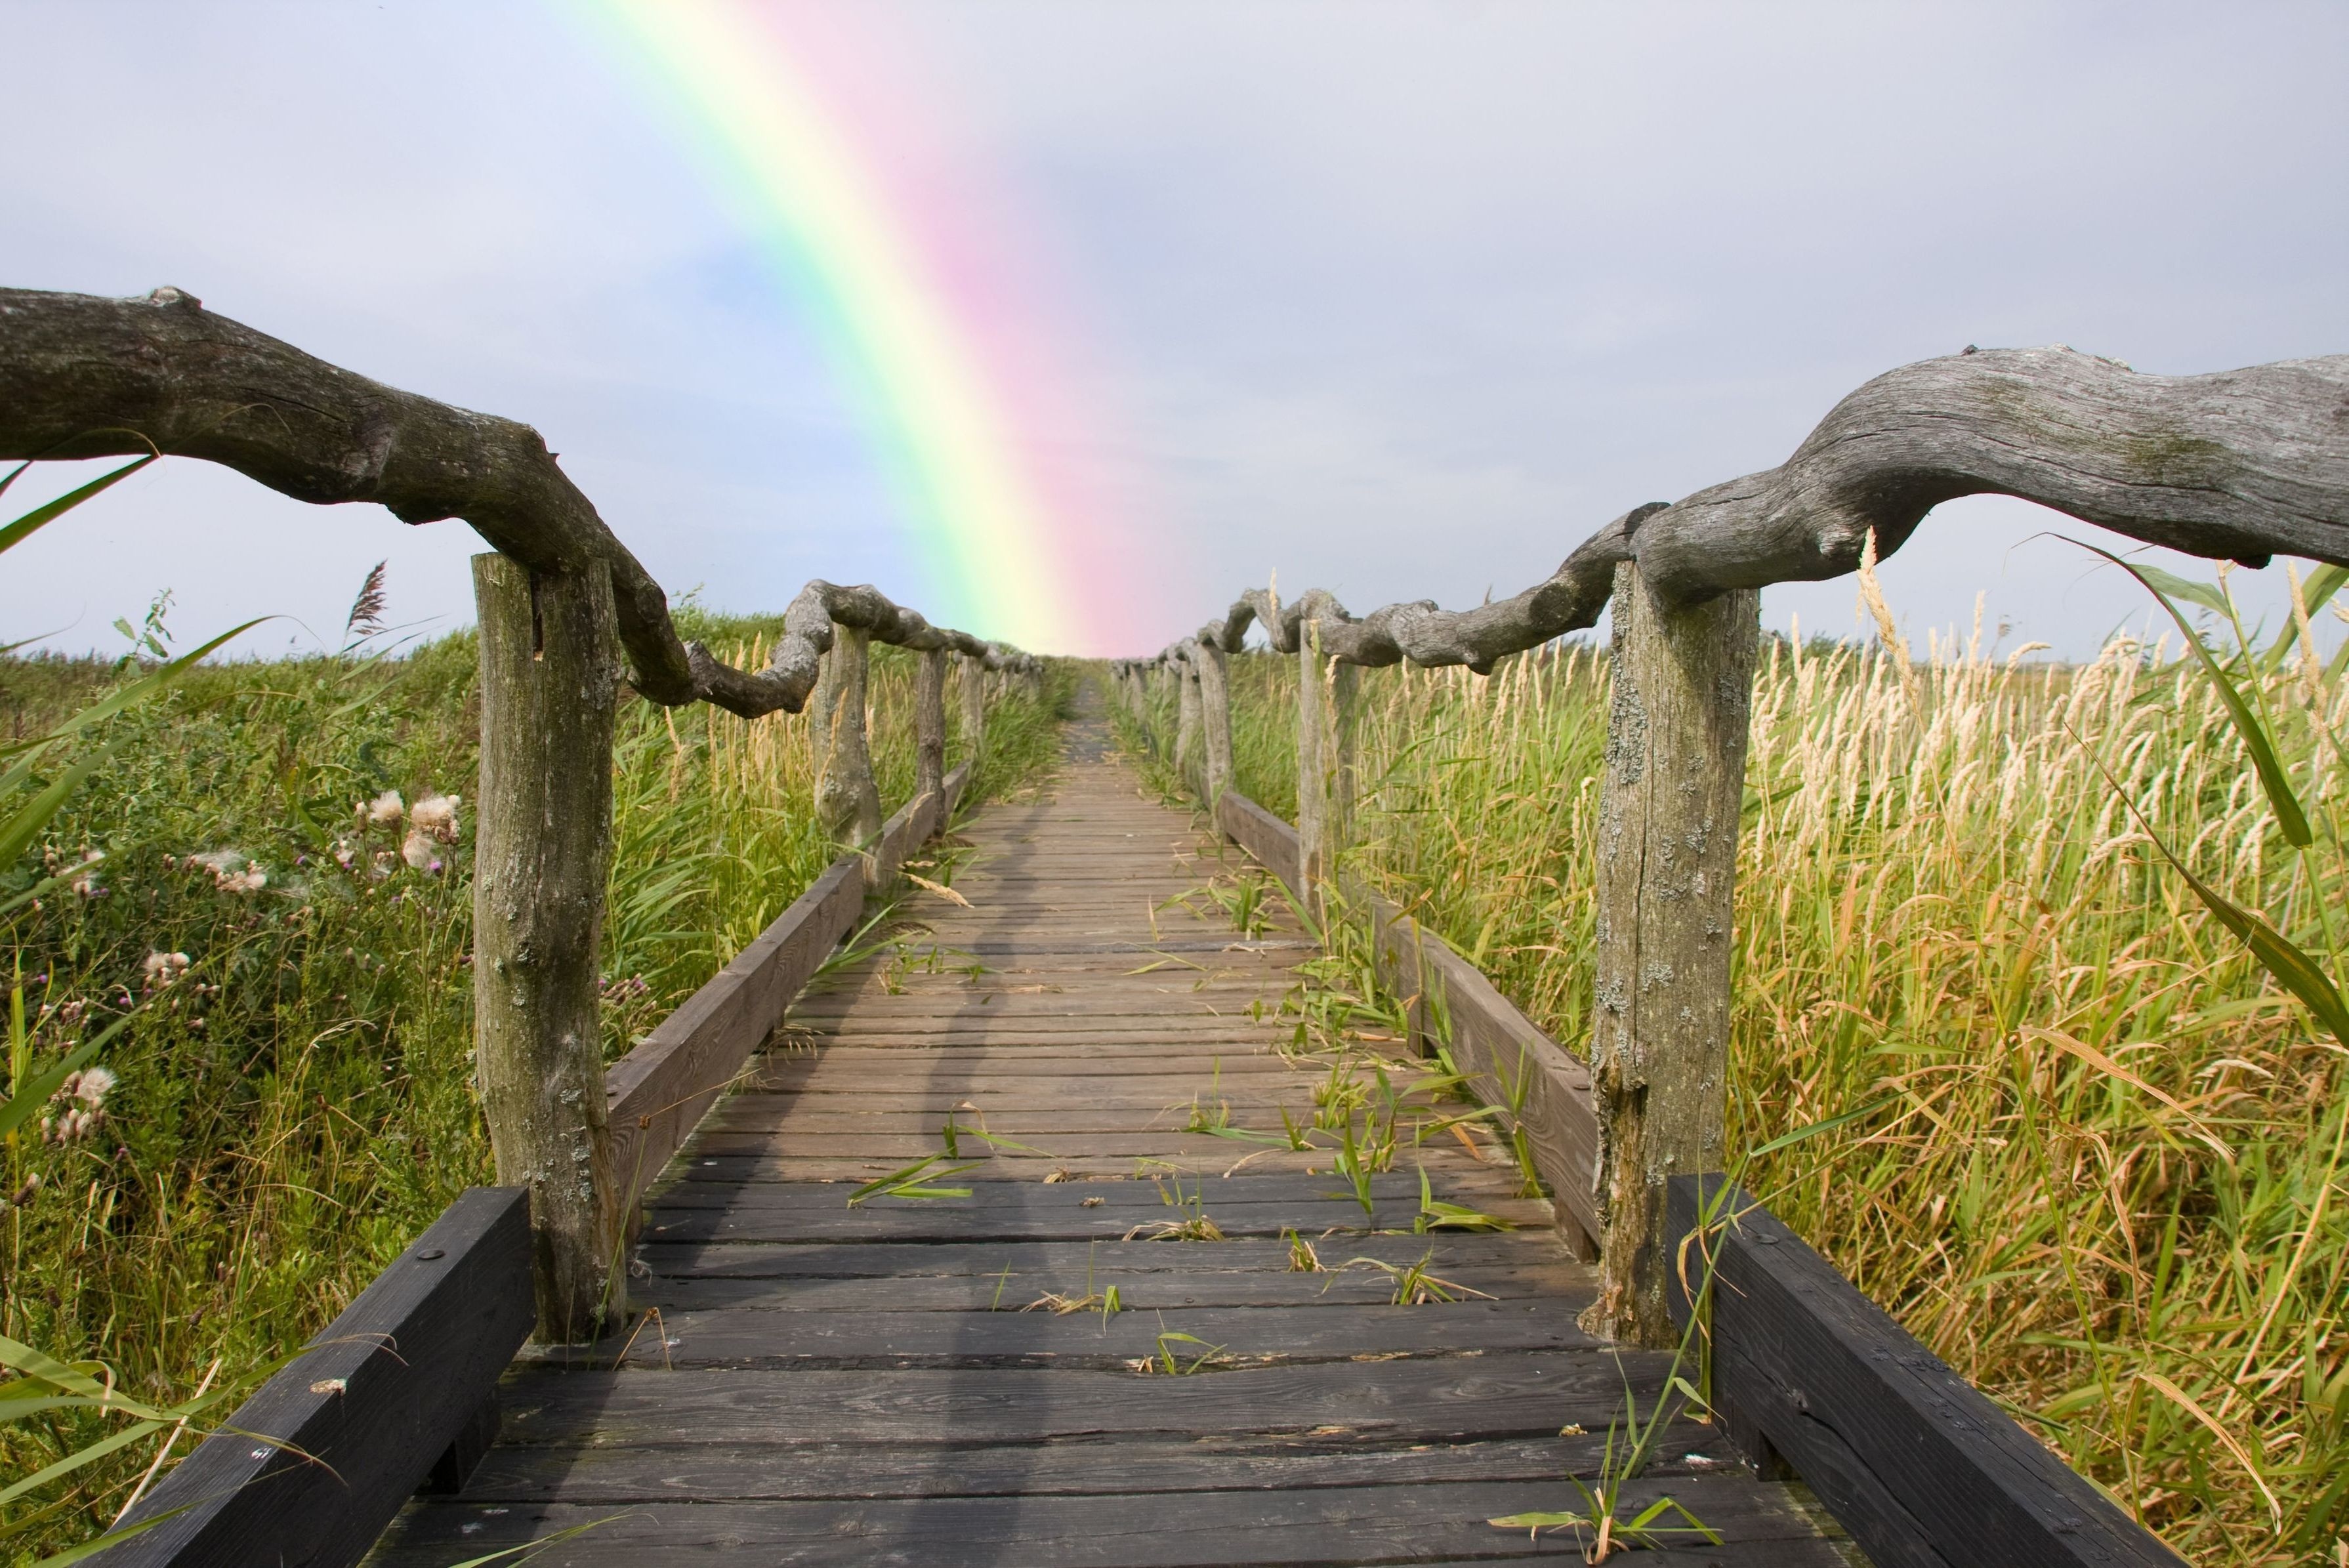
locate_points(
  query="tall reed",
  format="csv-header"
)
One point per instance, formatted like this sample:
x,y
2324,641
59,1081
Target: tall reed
x,y
295,1104
2099,1136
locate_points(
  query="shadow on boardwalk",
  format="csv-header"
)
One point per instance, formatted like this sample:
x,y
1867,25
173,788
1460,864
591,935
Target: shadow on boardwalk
x,y
828,1385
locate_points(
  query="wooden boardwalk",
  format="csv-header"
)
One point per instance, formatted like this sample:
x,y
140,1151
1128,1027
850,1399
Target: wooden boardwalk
x,y
891,1383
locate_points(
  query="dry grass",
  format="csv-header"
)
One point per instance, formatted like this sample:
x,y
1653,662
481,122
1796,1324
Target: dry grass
x,y
2102,1180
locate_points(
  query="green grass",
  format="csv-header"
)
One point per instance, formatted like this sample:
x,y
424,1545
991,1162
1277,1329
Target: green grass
x,y
293,1108
2104,1182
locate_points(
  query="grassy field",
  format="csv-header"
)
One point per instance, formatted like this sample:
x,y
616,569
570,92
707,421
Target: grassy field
x,y
290,1107
2099,1168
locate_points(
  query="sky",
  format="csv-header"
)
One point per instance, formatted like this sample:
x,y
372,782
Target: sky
x,y
1400,300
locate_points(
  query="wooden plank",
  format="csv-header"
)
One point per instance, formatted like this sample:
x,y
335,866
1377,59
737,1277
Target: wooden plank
x,y
1546,1092
1386,1188
1299,1526
1912,1459
660,1091
746,1218
621,1475
1272,842
378,1397
1437,1400
878,1258
1141,1290
1512,1064
748,1339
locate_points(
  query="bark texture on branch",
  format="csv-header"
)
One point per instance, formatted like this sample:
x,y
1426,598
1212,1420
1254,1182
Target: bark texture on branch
x,y
83,377
2241,465
796,662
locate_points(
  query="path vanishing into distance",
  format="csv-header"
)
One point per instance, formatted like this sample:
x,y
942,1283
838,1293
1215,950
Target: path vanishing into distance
x,y
1115,1349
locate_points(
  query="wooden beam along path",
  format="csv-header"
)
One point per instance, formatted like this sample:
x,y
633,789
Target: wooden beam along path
x,y
809,1382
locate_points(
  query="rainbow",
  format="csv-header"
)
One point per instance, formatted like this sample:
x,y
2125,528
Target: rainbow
x,y
913,276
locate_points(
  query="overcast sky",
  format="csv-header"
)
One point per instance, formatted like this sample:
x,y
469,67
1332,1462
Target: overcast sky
x,y
1398,299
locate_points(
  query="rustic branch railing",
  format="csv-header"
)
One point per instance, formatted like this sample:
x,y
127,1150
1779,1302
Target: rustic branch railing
x,y
2240,465
563,604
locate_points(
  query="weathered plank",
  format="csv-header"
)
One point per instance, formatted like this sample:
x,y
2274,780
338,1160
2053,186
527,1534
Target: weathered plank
x,y
310,1469
1515,1066
1544,1092
619,1476
1272,842
1140,1290
1916,1463
660,1091
1436,1399
1291,1526
878,1259
1240,1335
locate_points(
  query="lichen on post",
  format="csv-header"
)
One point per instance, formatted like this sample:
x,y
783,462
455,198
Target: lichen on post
x,y
930,723
550,680
1325,755
1214,718
1674,783
972,672
1186,716
847,802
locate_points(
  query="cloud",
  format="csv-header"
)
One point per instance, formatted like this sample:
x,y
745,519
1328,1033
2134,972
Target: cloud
x,y
1403,298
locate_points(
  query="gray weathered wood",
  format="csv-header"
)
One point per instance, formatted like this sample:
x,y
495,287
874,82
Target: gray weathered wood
x,y
1272,842
972,676
321,1457
1187,738
930,723
1214,719
1326,715
1667,844
82,377
1921,1469
550,673
1542,1093
847,802
2240,464
662,1089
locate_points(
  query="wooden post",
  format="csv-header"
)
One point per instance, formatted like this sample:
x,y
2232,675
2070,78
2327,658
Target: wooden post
x,y
550,682
972,670
1325,755
1186,716
847,802
1216,719
930,723
1675,781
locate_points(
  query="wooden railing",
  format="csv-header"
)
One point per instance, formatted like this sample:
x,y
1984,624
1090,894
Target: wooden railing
x,y
1808,1375
401,1386
2240,465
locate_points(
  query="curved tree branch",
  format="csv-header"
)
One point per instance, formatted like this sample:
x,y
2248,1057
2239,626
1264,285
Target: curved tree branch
x,y
82,377
2242,464
792,670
